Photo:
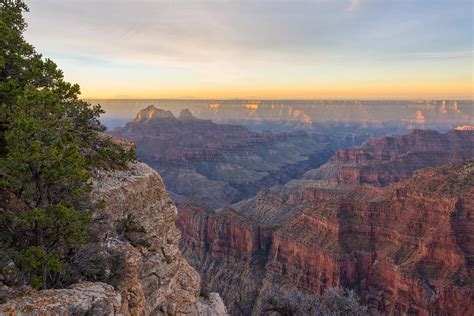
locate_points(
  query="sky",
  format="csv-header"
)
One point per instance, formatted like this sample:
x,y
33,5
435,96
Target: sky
x,y
269,49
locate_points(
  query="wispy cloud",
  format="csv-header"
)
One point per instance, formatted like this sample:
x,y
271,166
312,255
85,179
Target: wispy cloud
x,y
165,43
438,55
354,4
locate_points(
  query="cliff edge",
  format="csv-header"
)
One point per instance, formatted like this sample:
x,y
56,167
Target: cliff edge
x,y
132,264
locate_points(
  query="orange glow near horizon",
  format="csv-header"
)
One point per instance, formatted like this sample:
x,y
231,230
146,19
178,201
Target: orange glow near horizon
x,y
448,90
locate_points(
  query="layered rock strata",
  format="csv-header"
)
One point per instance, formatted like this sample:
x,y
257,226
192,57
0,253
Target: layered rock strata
x,y
220,164
87,298
384,160
406,248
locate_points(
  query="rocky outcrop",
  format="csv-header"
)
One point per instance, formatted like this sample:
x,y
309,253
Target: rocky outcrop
x,y
132,256
384,160
186,115
150,113
406,248
137,226
85,298
211,306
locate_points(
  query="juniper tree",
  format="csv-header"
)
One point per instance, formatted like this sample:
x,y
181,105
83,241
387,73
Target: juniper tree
x,y
48,141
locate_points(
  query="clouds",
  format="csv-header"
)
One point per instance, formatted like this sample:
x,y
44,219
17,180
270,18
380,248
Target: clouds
x,y
196,42
167,31
354,4
209,31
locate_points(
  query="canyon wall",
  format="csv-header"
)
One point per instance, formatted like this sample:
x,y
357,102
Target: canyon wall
x,y
228,250
406,248
384,160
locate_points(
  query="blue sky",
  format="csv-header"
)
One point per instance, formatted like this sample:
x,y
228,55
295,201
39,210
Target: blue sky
x,y
268,49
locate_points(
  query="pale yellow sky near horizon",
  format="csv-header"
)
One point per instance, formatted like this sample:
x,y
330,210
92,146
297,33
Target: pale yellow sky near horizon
x,y
448,90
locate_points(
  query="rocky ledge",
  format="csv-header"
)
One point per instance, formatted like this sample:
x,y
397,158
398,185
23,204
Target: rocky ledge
x,y
95,298
132,258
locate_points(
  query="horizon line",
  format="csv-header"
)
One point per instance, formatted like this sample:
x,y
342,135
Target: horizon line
x,y
286,99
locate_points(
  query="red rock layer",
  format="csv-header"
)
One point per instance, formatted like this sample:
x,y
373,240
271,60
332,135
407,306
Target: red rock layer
x,y
385,160
407,248
229,250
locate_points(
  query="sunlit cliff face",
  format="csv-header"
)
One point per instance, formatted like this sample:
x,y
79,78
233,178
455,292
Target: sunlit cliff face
x,y
151,112
252,106
465,128
214,106
149,115
456,106
297,114
420,118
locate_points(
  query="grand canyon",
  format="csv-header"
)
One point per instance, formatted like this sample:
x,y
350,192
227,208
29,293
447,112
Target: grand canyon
x,y
236,158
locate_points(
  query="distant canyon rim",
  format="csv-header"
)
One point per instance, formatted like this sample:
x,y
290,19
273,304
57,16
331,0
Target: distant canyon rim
x,y
295,197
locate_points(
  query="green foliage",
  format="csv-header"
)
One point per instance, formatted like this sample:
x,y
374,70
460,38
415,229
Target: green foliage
x,y
205,294
34,260
49,140
428,270
461,279
48,226
403,254
462,180
134,233
43,238
110,155
43,163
